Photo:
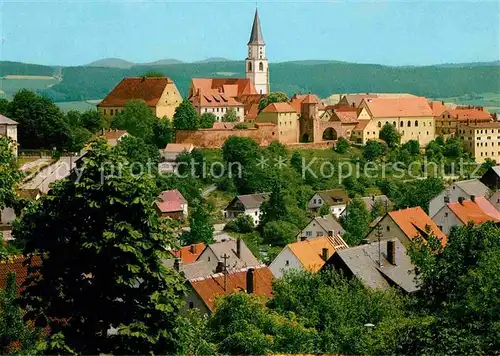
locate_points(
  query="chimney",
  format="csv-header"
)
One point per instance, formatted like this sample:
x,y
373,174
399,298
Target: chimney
x,y
324,254
178,264
473,198
192,249
250,280
461,200
238,247
220,267
391,252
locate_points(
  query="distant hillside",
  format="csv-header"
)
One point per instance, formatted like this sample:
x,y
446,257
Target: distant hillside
x,y
111,63
214,59
16,68
322,78
162,62
474,64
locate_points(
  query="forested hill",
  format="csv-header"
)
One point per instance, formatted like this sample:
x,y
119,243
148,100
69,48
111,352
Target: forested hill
x,y
322,78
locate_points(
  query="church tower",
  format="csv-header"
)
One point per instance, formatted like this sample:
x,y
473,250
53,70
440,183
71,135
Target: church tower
x,y
257,66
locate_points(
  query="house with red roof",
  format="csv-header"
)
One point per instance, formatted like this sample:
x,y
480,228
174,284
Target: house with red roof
x,y
160,94
204,291
19,265
285,117
189,254
477,210
405,225
171,204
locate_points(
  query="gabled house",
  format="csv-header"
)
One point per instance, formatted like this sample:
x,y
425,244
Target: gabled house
x,y
188,254
285,117
309,255
405,225
491,178
160,95
172,204
204,291
478,210
378,265
246,204
321,226
113,136
335,199
461,189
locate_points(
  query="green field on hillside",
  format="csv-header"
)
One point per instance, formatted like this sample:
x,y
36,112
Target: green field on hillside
x,y
489,100
9,87
80,106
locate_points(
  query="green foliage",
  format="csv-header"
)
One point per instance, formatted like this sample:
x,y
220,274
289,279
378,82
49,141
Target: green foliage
x,y
342,145
163,132
41,123
80,137
355,222
296,162
240,150
374,150
241,126
92,120
153,74
390,135
279,233
276,149
275,97
137,119
354,186
207,120
275,208
16,336
9,173
201,225
242,224
4,106
102,261
324,210
143,156
243,325
193,335
458,294
186,117
230,116
413,147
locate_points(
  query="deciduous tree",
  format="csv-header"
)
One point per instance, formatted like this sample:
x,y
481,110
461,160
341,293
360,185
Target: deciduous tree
x,y
390,135
9,173
207,120
186,117
230,116
355,222
137,119
275,97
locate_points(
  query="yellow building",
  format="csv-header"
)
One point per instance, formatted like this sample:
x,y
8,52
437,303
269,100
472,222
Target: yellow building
x,y
284,116
160,94
411,116
447,123
482,139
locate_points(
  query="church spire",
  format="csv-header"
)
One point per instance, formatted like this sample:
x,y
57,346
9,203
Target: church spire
x,y
256,37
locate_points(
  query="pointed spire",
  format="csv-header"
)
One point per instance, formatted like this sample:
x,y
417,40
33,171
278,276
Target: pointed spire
x,y
256,35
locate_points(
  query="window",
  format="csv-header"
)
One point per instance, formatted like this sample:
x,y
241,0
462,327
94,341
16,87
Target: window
x,y
401,123
318,234
287,263
104,111
388,228
249,66
394,123
379,124
191,305
445,215
416,123
409,123
261,66
205,109
309,233
208,258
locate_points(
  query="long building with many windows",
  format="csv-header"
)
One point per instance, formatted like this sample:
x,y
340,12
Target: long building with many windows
x,y
482,139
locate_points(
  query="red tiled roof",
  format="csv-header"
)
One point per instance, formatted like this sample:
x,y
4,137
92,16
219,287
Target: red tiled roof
x,y
189,254
213,99
361,125
398,107
251,102
147,89
309,252
347,116
170,201
464,114
224,125
299,99
478,212
483,125
234,86
437,108
114,134
211,287
18,265
414,221
279,107
179,147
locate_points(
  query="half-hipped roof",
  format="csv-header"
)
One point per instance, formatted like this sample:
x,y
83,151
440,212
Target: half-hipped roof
x,y
147,89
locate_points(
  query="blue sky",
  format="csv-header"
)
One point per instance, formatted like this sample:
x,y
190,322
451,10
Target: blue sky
x,y
385,32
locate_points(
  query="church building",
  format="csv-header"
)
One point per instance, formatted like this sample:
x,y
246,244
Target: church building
x,y
257,65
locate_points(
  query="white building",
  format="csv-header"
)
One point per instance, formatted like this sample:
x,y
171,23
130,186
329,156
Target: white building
x,y
463,189
321,226
8,128
335,199
257,65
245,204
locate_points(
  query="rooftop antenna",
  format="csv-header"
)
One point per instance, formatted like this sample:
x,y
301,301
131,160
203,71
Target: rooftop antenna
x,y
225,257
379,236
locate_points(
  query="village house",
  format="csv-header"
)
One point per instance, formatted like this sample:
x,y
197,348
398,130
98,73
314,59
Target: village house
x,y
481,139
450,119
378,265
188,254
321,226
412,118
113,136
477,210
171,204
246,204
308,255
495,200
372,202
284,116
203,291
405,225
160,94
8,128
173,150
335,199
461,189
491,178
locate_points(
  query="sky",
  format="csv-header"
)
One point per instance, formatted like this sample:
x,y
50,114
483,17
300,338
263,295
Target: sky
x,y
383,32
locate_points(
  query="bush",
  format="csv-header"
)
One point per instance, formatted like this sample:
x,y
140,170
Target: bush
x,y
279,233
241,126
342,145
242,224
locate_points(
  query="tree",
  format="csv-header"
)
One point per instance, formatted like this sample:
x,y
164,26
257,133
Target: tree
x,y
457,298
154,74
200,224
242,224
241,126
230,116
275,208
453,148
207,120
413,147
80,137
279,233
240,150
296,162
4,106
342,145
243,325
275,97
101,261
186,117
144,157
324,210
355,222
390,135
137,119
276,149
374,150
41,122
163,132
92,120
9,173
16,336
